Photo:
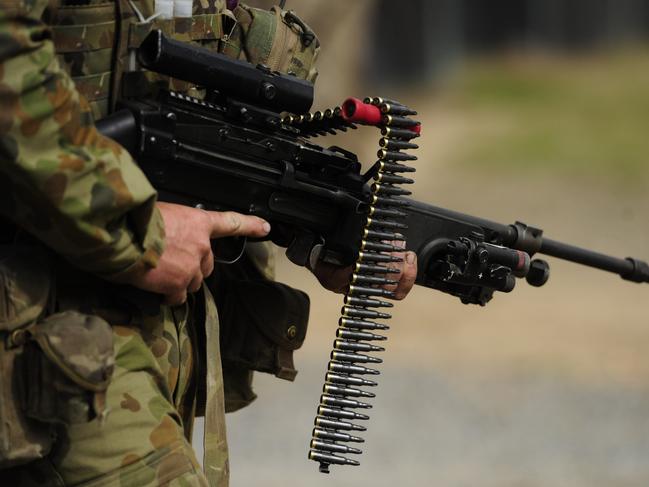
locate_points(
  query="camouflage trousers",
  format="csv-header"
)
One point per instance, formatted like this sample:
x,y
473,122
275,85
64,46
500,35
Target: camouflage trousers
x,y
144,439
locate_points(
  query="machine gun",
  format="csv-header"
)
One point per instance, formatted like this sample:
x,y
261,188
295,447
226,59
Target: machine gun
x,y
238,149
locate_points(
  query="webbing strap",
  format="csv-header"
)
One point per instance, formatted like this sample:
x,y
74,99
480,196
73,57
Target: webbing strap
x,y
215,456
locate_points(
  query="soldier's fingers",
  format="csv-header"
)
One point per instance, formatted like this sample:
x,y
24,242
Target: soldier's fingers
x,y
195,283
176,299
231,224
408,276
207,264
396,276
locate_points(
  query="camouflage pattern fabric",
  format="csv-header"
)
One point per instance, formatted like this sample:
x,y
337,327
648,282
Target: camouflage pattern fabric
x,y
143,441
81,195
75,190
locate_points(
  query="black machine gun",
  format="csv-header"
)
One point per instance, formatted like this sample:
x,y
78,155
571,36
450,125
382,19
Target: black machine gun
x,y
247,147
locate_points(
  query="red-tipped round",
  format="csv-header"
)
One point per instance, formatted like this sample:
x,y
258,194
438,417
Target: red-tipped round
x,y
354,110
416,129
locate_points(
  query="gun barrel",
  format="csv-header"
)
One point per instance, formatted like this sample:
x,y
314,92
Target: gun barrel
x,y
236,79
629,269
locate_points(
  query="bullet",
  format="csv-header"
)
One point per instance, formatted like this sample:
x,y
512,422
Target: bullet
x,y
368,100
324,446
380,246
392,109
375,222
397,121
341,413
376,257
364,279
386,213
335,436
358,335
288,119
377,100
387,201
318,115
393,132
383,177
377,269
346,391
386,155
348,380
357,346
391,144
384,189
374,303
356,358
361,324
390,167
328,113
343,403
331,459
363,313
382,235
345,368
308,117
322,422
369,291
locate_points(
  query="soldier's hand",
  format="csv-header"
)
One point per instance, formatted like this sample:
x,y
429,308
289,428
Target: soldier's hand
x,y
336,278
187,258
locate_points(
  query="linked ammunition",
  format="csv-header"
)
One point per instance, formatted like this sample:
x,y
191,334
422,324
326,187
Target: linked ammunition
x,y
343,403
361,324
394,109
358,335
357,346
376,222
376,257
369,291
334,447
391,144
345,368
379,235
345,391
341,413
372,303
397,121
364,279
386,212
356,358
323,422
394,132
335,436
379,246
348,380
386,155
385,189
376,269
331,459
388,201
392,179
363,313
390,167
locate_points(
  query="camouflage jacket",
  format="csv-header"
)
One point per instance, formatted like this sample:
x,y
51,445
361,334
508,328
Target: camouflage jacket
x,y
76,191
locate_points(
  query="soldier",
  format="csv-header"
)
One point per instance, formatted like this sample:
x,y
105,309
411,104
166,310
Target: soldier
x,y
87,235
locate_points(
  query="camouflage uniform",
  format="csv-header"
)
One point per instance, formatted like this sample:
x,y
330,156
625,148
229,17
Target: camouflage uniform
x,y
82,196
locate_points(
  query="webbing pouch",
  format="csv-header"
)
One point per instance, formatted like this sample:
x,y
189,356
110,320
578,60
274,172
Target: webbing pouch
x,y
53,370
264,322
65,369
24,290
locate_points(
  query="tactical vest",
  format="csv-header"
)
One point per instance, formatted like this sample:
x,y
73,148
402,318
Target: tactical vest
x,y
96,40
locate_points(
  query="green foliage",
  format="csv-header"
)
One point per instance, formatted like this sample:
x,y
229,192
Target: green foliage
x,y
586,117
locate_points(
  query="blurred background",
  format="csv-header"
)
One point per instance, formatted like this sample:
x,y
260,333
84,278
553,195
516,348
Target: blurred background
x,y
533,110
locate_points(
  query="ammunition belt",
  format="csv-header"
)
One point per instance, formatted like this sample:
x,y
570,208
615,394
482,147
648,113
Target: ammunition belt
x,y
344,380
